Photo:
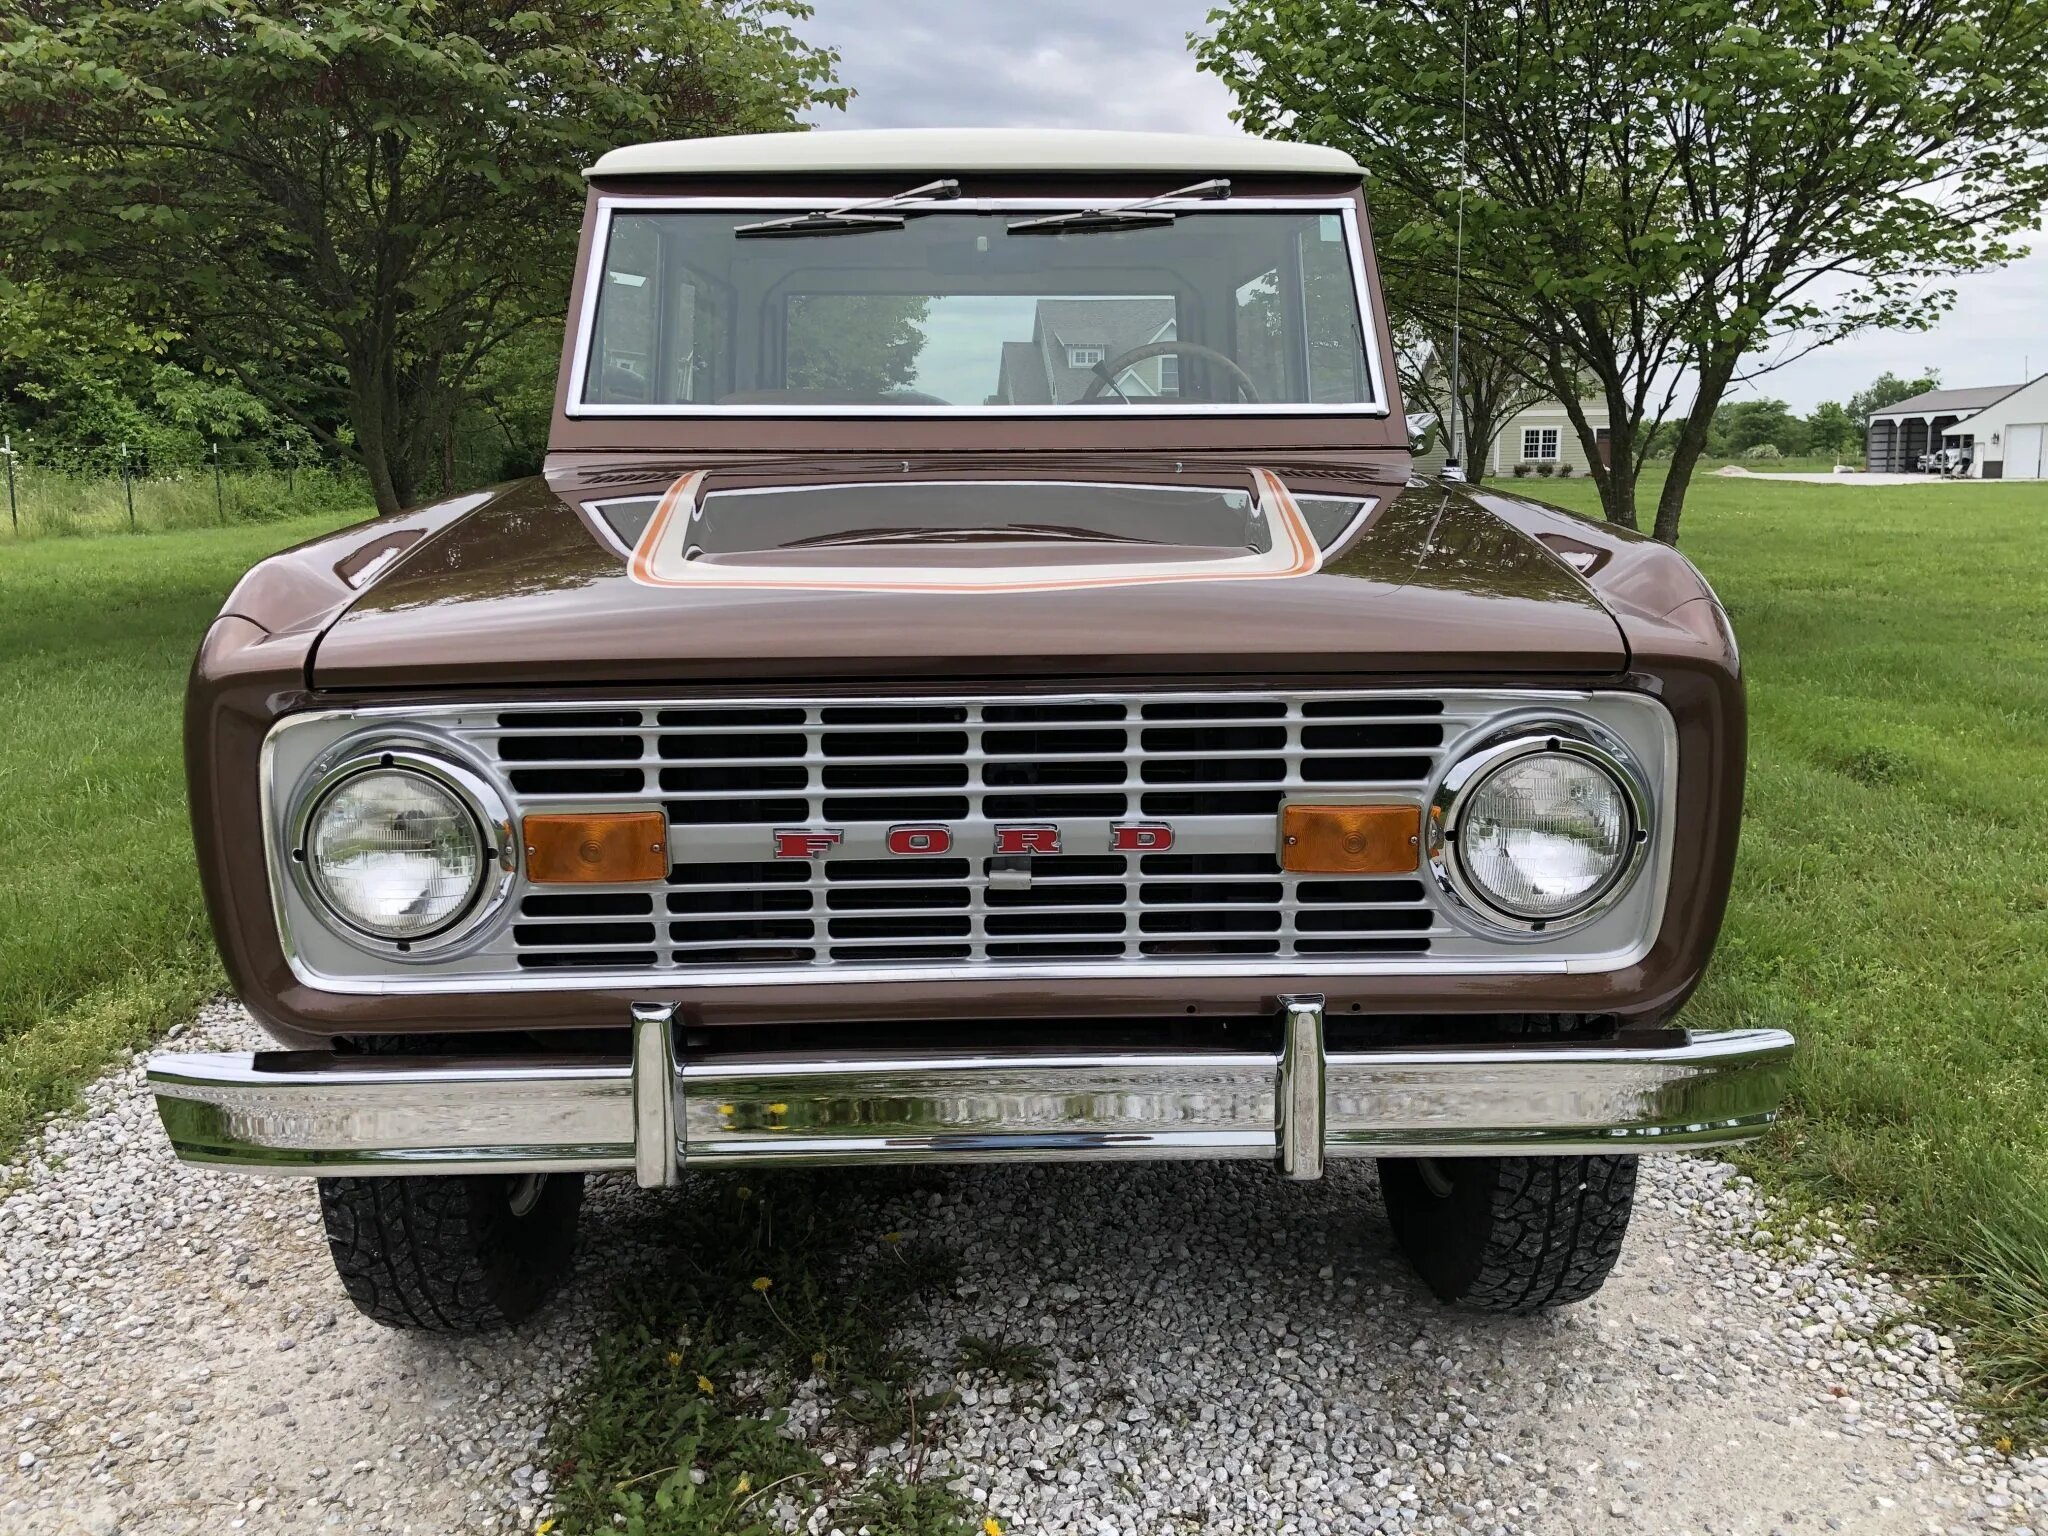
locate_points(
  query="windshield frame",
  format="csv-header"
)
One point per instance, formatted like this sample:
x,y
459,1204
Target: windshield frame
x,y
607,206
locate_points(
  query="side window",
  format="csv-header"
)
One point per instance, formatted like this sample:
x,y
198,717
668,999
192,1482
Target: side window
x,y
1539,442
622,354
1259,334
1085,357
660,334
1336,350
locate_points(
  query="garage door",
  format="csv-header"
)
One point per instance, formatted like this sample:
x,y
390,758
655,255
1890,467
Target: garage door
x,y
2025,445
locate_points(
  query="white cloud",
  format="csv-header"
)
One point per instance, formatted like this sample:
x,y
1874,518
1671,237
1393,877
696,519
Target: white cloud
x,y
1048,64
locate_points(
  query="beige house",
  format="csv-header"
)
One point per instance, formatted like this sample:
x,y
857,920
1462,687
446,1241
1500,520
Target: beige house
x,y
1543,433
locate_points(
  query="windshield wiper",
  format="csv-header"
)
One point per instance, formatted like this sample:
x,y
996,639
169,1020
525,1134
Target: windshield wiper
x,y
852,218
1119,215
1061,532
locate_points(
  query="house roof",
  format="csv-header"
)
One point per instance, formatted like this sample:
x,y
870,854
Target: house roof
x,y
974,149
1037,371
1023,380
1936,400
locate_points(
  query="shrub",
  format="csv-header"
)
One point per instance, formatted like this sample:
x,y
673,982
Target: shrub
x,y
1521,471
1564,471
1763,451
1545,468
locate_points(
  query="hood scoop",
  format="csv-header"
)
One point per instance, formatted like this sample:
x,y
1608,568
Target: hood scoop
x,y
965,535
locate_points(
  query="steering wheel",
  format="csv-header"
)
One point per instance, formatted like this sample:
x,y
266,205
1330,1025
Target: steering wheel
x,y
1105,373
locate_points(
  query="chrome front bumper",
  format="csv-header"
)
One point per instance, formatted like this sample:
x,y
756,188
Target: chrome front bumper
x,y
313,1113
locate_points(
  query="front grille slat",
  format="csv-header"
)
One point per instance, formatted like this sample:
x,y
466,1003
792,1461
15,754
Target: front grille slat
x,y
730,776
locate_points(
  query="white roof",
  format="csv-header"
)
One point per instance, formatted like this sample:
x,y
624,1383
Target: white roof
x,y
973,149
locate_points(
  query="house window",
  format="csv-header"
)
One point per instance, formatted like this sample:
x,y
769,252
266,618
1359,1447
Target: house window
x,y
1085,357
1539,442
1169,373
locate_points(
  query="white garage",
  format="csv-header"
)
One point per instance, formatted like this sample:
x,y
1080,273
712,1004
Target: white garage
x,y
2008,438
2024,445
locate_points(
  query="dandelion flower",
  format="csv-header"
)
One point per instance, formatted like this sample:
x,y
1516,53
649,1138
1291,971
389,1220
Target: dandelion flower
x,y
706,1386
778,1109
892,1237
745,1193
744,1485
544,1527
818,1361
675,1361
762,1284
991,1527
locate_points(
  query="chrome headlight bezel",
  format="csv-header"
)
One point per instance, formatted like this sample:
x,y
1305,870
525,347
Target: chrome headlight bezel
x,y
471,789
1582,739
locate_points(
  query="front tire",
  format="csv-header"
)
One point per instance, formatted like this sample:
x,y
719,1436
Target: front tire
x,y
451,1253
1510,1234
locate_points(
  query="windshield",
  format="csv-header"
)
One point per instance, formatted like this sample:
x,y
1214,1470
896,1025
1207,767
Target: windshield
x,y
1241,310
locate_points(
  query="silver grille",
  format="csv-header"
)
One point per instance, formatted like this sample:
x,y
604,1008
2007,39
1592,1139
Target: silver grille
x,y
1217,768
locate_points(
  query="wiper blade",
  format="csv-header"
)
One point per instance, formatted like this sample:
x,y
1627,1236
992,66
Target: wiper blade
x,y
1060,532
1119,215
852,218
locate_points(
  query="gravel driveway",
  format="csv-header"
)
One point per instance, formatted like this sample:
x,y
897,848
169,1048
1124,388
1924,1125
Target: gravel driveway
x,y
1231,1352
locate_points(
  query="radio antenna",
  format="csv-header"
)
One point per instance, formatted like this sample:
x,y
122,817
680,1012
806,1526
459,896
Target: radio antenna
x,y
1454,463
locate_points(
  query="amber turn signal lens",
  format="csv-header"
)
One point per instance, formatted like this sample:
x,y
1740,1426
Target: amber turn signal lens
x,y
599,848
1351,839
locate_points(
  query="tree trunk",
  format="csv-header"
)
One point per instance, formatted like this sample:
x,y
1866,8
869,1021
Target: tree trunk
x,y
369,398
1692,442
1615,479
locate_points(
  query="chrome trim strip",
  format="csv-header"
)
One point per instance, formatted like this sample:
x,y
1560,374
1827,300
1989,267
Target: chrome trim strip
x,y
1301,1106
577,409
657,1151
308,1113
312,1112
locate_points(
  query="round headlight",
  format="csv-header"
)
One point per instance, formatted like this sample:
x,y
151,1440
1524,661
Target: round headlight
x,y
394,853
1544,835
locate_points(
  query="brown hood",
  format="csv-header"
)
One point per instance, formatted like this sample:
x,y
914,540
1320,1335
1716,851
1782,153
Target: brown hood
x,y
525,590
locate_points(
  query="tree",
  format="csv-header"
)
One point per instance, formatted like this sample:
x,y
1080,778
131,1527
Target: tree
x,y
1494,371
1741,425
1654,191
1887,389
350,205
864,344
1831,430
1492,387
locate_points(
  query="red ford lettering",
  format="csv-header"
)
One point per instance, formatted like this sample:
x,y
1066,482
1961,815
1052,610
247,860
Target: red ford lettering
x,y
806,842
1140,837
1027,839
916,840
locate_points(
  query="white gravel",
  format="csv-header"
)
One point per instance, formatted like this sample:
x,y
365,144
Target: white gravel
x,y
1231,1352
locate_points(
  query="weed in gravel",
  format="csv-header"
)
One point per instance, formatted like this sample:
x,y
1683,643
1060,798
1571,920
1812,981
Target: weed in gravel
x,y
769,1291
888,1507
1019,1364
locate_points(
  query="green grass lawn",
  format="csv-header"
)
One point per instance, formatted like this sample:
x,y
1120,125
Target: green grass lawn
x,y
1891,904
103,940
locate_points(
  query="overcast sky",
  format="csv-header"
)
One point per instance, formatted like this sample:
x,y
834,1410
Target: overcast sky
x,y
1125,64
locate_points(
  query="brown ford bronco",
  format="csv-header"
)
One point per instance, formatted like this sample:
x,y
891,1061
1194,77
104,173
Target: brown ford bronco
x,y
975,681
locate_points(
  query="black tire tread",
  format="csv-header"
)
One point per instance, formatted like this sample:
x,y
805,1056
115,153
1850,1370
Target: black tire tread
x,y
1551,1228
1558,1225
444,1254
